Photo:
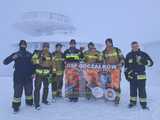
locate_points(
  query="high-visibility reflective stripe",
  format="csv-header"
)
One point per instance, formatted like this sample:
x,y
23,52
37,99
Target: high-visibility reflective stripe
x,y
16,100
45,71
129,72
72,56
143,99
133,98
38,71
130,61
130,77
75,57
111,54
59,73
37,61
48,58
149,63
54,93
91,56
42,71
54,69
35,56
29,97
141,77
100,58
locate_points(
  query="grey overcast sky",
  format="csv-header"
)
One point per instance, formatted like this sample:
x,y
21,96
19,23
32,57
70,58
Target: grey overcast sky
x,y
95,20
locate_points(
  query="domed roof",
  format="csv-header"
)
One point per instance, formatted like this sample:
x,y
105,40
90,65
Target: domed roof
x,y
38,23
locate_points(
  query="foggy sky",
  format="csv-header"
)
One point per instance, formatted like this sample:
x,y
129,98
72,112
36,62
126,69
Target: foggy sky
x,y
95,20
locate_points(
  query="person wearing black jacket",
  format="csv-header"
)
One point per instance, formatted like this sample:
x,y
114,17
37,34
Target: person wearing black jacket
x,y
135,67
73,55
22,77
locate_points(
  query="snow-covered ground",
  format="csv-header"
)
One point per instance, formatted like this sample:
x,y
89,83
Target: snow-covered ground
x,y
83,110
96,21
89,110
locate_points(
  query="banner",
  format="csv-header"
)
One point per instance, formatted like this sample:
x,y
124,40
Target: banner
x,y
81,79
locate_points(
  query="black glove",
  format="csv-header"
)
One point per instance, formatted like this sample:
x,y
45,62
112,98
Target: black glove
x,y
143,61
129,75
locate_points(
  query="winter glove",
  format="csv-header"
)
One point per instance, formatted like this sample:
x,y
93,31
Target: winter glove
x,y
15,56
143,61
129,75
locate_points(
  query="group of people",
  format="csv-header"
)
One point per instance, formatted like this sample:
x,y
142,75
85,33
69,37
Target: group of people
x,y
48,67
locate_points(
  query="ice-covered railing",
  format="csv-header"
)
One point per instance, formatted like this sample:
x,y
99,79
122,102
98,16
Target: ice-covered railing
x,y
38,23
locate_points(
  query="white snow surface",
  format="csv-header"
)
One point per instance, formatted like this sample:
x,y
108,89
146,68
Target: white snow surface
x,y
83,110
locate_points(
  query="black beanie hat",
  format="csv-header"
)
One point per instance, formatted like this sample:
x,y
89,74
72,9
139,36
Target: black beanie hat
x,y
91,44
72,41
22,42
45,44
109,40
58,45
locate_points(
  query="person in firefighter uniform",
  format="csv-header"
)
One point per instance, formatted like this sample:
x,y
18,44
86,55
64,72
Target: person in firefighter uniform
x,y
42,59
135,63
113,56
91,76
22,75
73,55
57,71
